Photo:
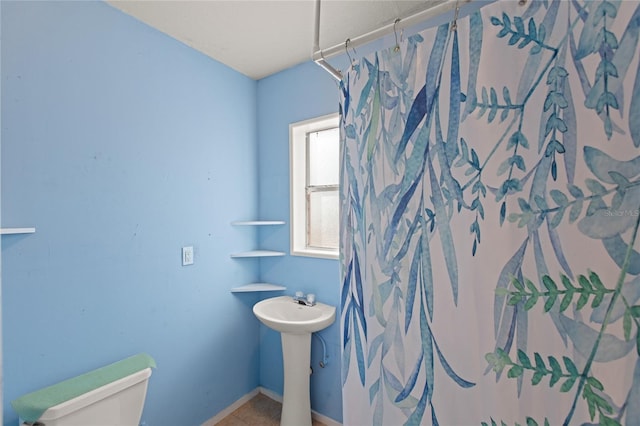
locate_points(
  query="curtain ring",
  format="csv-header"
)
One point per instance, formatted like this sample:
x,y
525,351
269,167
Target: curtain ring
x,y
395,32
454,24
346,49
522,2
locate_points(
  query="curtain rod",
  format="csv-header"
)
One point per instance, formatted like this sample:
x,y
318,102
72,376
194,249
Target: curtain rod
x,y
319,55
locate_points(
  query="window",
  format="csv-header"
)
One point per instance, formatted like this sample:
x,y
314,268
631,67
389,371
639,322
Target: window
x,y
315,171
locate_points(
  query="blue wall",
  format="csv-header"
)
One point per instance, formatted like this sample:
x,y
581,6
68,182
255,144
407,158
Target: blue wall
x,y
121,145
303,92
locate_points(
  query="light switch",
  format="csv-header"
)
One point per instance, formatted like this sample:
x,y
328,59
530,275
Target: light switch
x,y
187,255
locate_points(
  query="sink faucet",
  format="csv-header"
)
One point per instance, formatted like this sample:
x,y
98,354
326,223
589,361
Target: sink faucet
x,y
308,300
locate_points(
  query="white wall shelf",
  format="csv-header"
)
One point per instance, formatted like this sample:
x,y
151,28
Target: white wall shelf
x,y
257,287
257,222
258,253
13,231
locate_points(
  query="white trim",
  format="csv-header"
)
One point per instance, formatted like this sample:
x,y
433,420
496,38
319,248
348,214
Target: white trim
x,y
271,394
314,414
230,409
324,419
266,392
323,254
297,179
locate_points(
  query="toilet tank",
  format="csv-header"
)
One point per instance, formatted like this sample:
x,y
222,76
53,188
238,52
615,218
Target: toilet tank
x,y
113,395
118,403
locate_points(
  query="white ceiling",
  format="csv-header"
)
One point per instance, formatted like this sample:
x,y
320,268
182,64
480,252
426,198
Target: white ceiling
x,y
261,37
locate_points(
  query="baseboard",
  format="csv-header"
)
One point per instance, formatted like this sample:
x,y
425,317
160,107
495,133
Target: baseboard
x,y
230,409
276,397
324,419
271,394
314,414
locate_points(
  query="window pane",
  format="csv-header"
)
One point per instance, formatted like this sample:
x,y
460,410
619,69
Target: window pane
x,y
324,157
323,219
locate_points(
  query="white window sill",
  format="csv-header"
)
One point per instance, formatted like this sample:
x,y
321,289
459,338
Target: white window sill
x,y
322,254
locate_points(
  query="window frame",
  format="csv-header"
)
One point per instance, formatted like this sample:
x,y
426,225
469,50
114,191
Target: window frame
x,y
298,173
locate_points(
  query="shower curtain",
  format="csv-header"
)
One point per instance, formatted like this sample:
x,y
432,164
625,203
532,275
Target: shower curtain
x,y
490,200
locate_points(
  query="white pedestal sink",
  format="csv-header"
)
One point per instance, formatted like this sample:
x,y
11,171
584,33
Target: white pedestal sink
x,y
295,323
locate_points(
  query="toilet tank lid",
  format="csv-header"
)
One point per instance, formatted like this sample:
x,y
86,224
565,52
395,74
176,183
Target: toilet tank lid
x,y
31,406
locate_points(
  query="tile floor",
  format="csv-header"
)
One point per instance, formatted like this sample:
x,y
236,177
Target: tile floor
x,y
258,411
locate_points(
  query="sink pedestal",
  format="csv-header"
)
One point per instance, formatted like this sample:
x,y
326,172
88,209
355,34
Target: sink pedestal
x,y
296,404
295,323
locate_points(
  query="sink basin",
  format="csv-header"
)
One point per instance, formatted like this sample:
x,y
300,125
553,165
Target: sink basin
x,y
286,316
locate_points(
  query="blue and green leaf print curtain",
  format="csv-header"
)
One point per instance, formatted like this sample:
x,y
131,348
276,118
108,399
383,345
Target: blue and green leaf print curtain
x,y
490,201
